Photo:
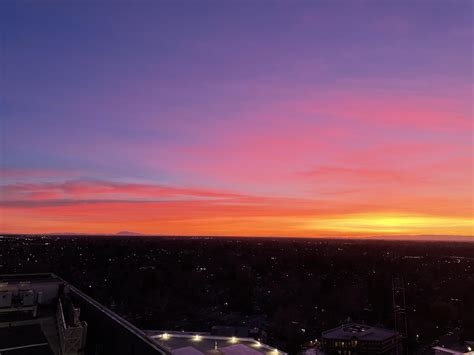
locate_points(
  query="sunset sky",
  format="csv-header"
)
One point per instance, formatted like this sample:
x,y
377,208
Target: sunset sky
x,y
255,118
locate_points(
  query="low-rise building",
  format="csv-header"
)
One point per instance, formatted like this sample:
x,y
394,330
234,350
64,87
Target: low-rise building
x,y
355,338
451,343
193,343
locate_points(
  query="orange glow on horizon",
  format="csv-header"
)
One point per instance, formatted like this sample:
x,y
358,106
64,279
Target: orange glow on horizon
x,y
105,207
104,220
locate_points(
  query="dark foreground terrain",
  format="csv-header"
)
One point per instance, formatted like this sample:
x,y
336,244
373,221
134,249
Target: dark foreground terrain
x,y
290,289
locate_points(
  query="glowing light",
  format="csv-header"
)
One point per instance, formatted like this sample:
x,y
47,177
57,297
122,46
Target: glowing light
x,y
389,223
258,344
197,337
165,336
233,340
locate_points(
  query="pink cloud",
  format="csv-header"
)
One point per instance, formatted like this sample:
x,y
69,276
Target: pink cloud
x,y
385,110
350,175
95,189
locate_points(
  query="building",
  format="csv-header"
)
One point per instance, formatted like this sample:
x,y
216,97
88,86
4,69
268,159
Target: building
x,y
41,314
463,349
188,343
38,316
451,343
355,338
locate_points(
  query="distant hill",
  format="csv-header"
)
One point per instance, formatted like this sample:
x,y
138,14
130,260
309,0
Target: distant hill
x,y
128,233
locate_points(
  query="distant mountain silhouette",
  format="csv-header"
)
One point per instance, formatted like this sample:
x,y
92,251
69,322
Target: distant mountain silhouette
x,y
128,233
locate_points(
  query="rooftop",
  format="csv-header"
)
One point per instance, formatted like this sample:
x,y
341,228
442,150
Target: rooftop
x,y
24,339
452,343
35,307
359,331
186,343
41,314
30,278
27,314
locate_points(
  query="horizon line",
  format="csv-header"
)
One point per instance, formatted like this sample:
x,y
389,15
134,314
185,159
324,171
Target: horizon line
x,y
414,238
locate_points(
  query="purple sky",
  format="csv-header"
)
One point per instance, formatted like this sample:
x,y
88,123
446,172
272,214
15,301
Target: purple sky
x,y
289,105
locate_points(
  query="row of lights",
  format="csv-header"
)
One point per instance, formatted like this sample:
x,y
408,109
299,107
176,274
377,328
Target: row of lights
x,y
166,336
197,337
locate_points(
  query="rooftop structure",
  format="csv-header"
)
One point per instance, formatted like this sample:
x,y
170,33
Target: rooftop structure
x,y
452,344
24,339
29,311
186,343
360,338
463,350
42,314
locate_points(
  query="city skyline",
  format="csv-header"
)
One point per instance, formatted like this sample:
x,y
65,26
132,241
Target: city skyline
x,y
299,119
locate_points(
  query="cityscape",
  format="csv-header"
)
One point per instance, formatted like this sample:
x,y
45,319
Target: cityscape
x,y
285,292
236,177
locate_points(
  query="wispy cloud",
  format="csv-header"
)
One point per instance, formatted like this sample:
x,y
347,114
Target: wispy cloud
x,y
101,190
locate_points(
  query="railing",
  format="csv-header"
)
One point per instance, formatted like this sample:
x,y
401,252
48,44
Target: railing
x,y
116,318
71,338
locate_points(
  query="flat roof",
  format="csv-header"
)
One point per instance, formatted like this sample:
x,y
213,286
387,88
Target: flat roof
x,y
36,280
23,339
359,331
20,331
452,343
31,278
187,343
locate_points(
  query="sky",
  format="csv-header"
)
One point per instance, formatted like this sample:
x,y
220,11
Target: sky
x,y
247,118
